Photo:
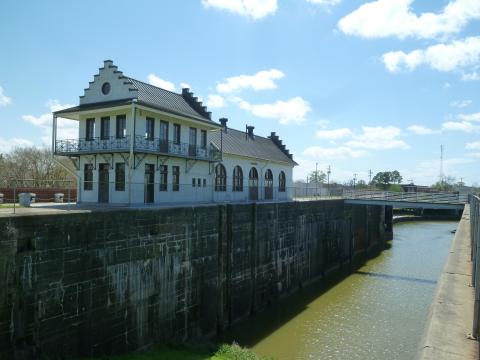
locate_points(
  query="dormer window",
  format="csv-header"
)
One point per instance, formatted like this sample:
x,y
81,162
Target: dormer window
x,y
105,88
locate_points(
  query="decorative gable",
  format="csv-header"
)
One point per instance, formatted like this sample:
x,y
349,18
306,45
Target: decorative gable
x,y
108,85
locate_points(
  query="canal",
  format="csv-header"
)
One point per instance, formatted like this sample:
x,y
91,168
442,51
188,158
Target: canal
x,y
378,312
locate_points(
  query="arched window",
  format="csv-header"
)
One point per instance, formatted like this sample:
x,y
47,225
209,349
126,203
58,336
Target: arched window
x,y
268,184
220,178
281,182
237,179
253,184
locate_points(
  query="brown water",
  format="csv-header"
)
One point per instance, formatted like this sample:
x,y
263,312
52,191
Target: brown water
x,y
379,312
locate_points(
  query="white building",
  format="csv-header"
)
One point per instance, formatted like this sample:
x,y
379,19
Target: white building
x,y
138,143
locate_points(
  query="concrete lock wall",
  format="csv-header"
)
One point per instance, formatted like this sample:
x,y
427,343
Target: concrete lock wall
x,y
112,281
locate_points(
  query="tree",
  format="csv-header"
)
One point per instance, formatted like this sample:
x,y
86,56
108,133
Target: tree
x,y
32,163
318,177
445,184
385,178
396,177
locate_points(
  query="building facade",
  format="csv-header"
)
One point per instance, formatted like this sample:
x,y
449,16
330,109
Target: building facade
x,y
138,143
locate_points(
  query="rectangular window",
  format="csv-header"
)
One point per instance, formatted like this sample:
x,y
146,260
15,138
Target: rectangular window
x,y
192,146
150,129
175,178
176,133
90,129
203,139
199,182
163,136
88,177
121,126
105,128
193,182
120,177
204,182
163,177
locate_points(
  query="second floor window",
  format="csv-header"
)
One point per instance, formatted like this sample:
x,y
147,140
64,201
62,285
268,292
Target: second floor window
x,y
121,126
150,129
90,129
105,128
176,133
203,139
175,178
163,177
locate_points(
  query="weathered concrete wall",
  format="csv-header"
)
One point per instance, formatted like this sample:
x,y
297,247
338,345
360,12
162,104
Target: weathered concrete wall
x,y
88,284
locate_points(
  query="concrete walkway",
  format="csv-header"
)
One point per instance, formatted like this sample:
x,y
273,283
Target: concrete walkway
x,y
451,313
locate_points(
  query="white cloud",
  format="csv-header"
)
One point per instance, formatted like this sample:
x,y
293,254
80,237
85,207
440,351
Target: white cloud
x,y
164,84
341,152
460,103
442,57
474,155
215,101
469,117
325,3
422,130
291,111
185,86
395,18
464,126
66,129
255,9
473,76
378,138
333,134
262,80
473,145
4,99
426,172
6,145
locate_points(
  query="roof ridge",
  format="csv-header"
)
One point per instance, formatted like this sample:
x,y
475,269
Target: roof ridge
x,y
243,132
156,87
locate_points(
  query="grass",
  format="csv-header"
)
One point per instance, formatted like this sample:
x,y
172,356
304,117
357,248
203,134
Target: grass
x,y
188,352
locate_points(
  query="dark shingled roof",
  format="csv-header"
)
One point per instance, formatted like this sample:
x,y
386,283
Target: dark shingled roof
x,y
165,100
237,143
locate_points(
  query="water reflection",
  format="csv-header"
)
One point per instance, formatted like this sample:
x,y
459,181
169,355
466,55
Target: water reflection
x,y
377,312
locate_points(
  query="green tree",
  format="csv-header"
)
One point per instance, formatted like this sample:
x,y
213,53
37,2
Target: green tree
x,y
318,177
385,178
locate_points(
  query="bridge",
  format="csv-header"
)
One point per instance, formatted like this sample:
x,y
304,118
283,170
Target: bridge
x,y
410,200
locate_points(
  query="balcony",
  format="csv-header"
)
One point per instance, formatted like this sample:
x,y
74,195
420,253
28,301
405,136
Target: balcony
x,y
141,144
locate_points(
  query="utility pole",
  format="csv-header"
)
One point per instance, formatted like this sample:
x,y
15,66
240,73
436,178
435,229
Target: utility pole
x,y
369,176
316,178
329,170
441,166
354,180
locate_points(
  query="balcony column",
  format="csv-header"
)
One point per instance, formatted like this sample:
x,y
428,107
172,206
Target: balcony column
x,y
54,133
131,157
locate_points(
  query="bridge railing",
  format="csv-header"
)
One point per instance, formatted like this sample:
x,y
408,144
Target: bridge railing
x,y
475,257
441,198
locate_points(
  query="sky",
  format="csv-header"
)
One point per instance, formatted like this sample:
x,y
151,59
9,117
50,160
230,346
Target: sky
x,y
351,84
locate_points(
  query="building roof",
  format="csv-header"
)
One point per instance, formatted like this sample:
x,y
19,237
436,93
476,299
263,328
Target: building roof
x,y
179,104
239,143
184,104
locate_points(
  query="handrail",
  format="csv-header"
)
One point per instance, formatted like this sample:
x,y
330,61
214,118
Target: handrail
x,y
141,143
418,197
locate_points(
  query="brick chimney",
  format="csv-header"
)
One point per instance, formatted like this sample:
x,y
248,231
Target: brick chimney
x,y
223,122
250,131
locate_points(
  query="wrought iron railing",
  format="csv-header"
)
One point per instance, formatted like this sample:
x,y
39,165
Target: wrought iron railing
x,y
440,198
143,144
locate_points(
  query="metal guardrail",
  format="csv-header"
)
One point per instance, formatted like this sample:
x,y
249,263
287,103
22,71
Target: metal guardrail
x,y
141,143
417,197
475,251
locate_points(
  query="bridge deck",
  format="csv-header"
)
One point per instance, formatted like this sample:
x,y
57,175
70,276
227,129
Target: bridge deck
x,y
407,200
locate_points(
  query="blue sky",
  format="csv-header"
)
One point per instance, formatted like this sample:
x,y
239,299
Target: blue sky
x,y
356,85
